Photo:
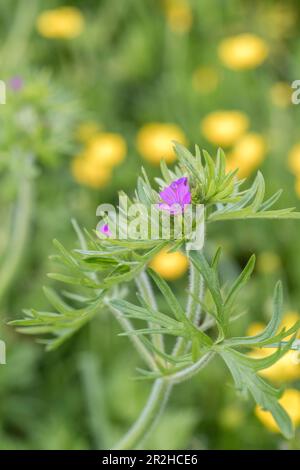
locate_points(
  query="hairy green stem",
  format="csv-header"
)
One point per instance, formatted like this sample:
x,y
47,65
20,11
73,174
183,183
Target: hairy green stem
x,y
193,308
162,387
20,225
188,372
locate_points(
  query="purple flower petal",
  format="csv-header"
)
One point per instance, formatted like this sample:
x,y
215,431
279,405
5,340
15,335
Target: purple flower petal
x,y
168,195
106,230
187,199
176,196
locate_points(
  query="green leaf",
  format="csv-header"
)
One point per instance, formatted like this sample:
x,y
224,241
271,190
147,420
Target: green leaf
x,y
216,259
271,201
209,276
220,165
272,326
80,281
266,396
260,192
264,362
142,313
60,326
56,301
245,214
167,292
183,360
157,331
237,285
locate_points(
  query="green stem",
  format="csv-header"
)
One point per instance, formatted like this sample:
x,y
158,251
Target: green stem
x,y
188,372
145,289
20,225
162,387
193,308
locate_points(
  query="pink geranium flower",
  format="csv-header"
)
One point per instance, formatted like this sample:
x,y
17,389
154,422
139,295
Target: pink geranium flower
x,y
176,196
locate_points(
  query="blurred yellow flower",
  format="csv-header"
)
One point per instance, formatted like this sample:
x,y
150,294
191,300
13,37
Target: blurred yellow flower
x,y
297,186
294,159
290,402
268,262
154,141
170,266
205,79
224,127
248,153
281,94
255,328
289,319
106,149
88,173
244,51
60,23
87,130
179,15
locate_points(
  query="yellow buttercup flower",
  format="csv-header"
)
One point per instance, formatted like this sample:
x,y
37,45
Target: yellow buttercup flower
x,y
290,402
87,130
170,266
205,79
179,15
106,149
294,159
224,127
281,94
154,141
268,262
88,173
248,153
60,23
244,51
